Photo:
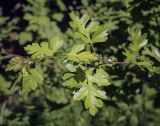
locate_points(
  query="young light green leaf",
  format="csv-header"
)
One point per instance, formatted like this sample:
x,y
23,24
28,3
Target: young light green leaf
x,y
77,21
89,32
101,78
85,39
154,52
55,44
39,51
100,35
138,40
32,79
131,56
71,67
15,64
86,56
72,83
155,70
77,48
70,80
92,97
86,30
145,64
133,53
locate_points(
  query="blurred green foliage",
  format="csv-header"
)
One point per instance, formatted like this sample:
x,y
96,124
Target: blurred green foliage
x,y
133,97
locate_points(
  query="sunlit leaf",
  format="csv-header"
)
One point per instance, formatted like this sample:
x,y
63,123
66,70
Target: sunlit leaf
x,y
92,97
39,51
15,64
32,79
55,44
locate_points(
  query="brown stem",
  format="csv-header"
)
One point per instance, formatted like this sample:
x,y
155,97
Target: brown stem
x,y
125,62
116,62
10,54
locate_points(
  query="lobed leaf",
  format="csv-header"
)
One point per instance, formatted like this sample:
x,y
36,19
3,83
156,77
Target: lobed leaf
x,y
138,40
101,78
70,80
100,35
44,49
55,44
32,79
154,52
77,21
92,97
74,80
39,51
86,56
88,32
15,64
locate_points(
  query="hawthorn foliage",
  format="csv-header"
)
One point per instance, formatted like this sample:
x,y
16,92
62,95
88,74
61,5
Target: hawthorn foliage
x,y
125,66
86,75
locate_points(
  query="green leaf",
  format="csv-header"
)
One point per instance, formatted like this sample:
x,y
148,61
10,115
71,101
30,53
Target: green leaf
x,y
76,21
86,30
77,48
89,32
155,70
39,51
154,52
71,67
44,49
146,64
100,35
32,79
131,56
55,44
92,97
75,79
133,53
88,83
138,40
15,64
101,78
86,56
70,80
72,83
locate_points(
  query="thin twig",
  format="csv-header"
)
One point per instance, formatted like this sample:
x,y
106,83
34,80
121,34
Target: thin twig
x,y
10,54
125,62
116,62
4,52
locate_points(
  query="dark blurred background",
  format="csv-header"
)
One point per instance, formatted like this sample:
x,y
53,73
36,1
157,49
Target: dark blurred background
x,y
133,96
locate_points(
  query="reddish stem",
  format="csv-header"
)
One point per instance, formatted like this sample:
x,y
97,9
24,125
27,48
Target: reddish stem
x,y
116,62
10,54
